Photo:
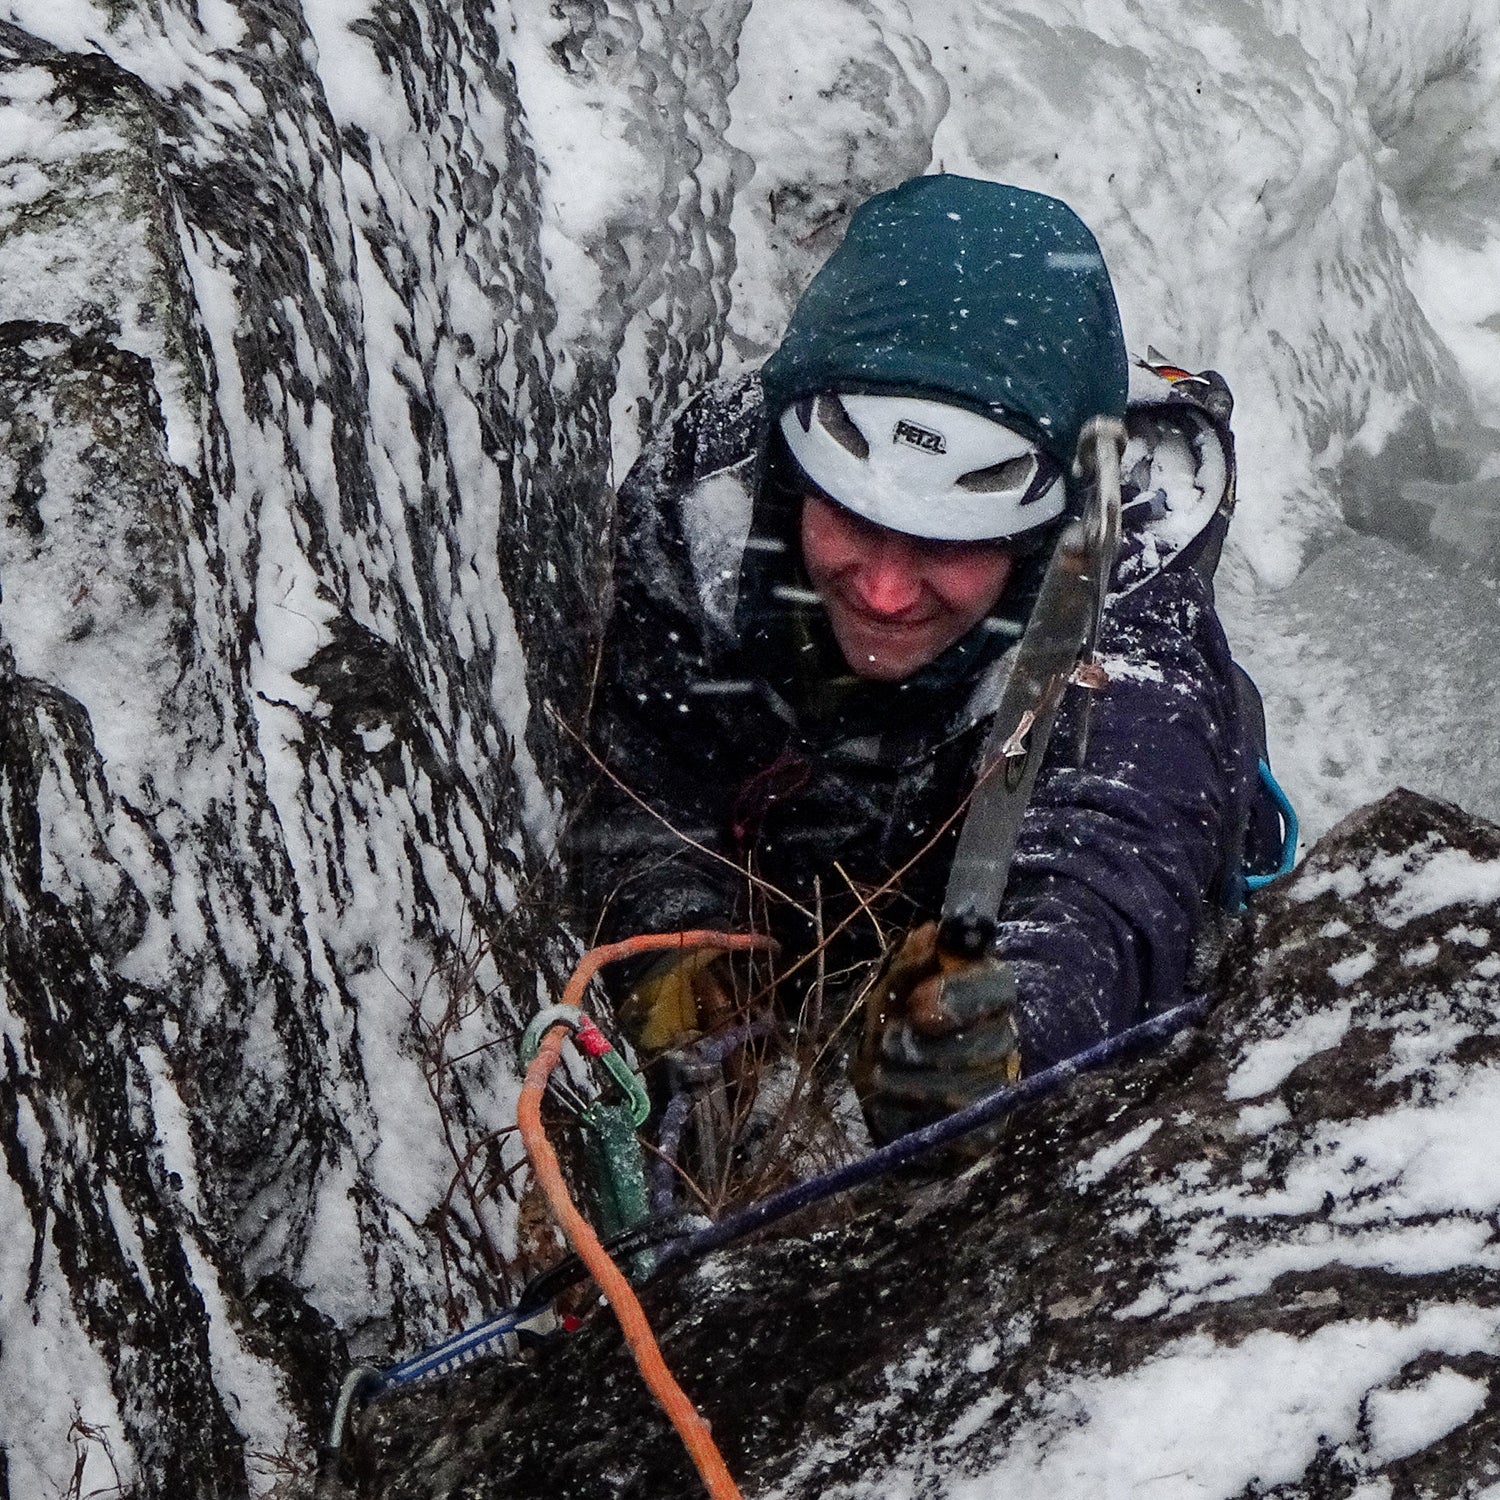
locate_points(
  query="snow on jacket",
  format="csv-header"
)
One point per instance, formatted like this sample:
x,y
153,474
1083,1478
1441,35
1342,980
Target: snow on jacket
x,y
743,792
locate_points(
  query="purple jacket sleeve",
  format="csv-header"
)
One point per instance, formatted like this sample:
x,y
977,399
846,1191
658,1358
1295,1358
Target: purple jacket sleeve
x,y
1106,898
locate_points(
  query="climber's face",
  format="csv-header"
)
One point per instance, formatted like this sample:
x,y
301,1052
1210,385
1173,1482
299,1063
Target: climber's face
x,y
896,602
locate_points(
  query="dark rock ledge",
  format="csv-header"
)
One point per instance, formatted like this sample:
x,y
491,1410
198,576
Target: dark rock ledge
x,y
1274,1243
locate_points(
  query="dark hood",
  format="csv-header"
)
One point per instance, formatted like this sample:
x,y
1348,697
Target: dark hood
x,y
988,296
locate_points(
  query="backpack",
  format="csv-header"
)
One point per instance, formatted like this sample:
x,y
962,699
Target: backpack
x,y
1178,495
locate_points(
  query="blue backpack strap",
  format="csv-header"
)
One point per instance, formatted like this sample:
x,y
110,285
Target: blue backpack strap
x,y
1266,846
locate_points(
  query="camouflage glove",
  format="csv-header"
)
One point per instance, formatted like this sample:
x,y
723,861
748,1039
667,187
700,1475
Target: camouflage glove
x,y
677,997
939,1034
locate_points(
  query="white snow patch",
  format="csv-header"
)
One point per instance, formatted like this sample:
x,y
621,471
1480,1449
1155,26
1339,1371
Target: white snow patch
x,y
1104,1161
1345,971
173,1132
1417,1042
716,524
252,1387
971,1420
1416,958
1446,878
1268,1063
1405,1191
1475,937
359,91
1349,880
1258,1119
1126,669
1254,1412
124,1225
1407,1419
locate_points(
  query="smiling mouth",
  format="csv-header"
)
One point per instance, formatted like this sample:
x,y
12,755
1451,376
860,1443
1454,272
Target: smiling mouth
x,y
884,623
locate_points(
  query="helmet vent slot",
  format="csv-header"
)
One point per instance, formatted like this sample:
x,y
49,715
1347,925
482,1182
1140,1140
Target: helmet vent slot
x,y
840,426
1009,474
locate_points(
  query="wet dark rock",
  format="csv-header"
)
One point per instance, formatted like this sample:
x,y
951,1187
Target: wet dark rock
x,y
269,817
305,449
1291,1188
94,1207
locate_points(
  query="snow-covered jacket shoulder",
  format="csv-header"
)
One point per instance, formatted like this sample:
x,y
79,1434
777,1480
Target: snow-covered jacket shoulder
x,y
1177,472
685,507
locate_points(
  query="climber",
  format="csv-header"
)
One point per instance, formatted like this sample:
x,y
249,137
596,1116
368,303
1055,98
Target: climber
x,y
819,569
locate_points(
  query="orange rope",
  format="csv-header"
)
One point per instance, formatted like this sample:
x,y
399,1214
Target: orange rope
x,y
691,1428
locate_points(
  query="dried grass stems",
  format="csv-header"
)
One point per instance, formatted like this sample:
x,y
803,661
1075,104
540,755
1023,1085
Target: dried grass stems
x,y
88,1438
785,1111
488,1187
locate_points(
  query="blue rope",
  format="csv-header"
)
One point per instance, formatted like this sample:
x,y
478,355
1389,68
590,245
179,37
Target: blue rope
x,y
918,1143
472,1342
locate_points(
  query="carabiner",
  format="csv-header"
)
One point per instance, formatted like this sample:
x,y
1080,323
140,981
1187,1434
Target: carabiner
x,y
594,1042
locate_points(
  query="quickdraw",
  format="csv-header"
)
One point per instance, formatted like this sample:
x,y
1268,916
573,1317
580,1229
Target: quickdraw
x,y
616,1169
685,1238
618,1292
596,1045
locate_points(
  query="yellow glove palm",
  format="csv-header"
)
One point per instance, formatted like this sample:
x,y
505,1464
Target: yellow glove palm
x,y
677,997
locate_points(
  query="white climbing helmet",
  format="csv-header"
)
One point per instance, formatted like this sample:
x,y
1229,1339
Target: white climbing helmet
x,y
924,467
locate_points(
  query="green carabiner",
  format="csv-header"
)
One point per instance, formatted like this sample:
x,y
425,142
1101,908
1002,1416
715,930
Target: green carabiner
x,y
595,1045
632,1087
616,1168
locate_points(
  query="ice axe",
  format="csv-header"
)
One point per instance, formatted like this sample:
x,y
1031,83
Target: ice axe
x,y
1056,649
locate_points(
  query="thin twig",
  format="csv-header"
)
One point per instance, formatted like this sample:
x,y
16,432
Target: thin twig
x,y
682,1172
894,878
814,1013
865,905
666,823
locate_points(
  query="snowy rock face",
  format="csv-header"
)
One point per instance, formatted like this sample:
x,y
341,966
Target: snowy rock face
x,y
323,327
271,807
1262,1262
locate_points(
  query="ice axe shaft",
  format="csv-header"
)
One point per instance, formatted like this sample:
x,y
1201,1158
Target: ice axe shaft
x,y
1056,648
